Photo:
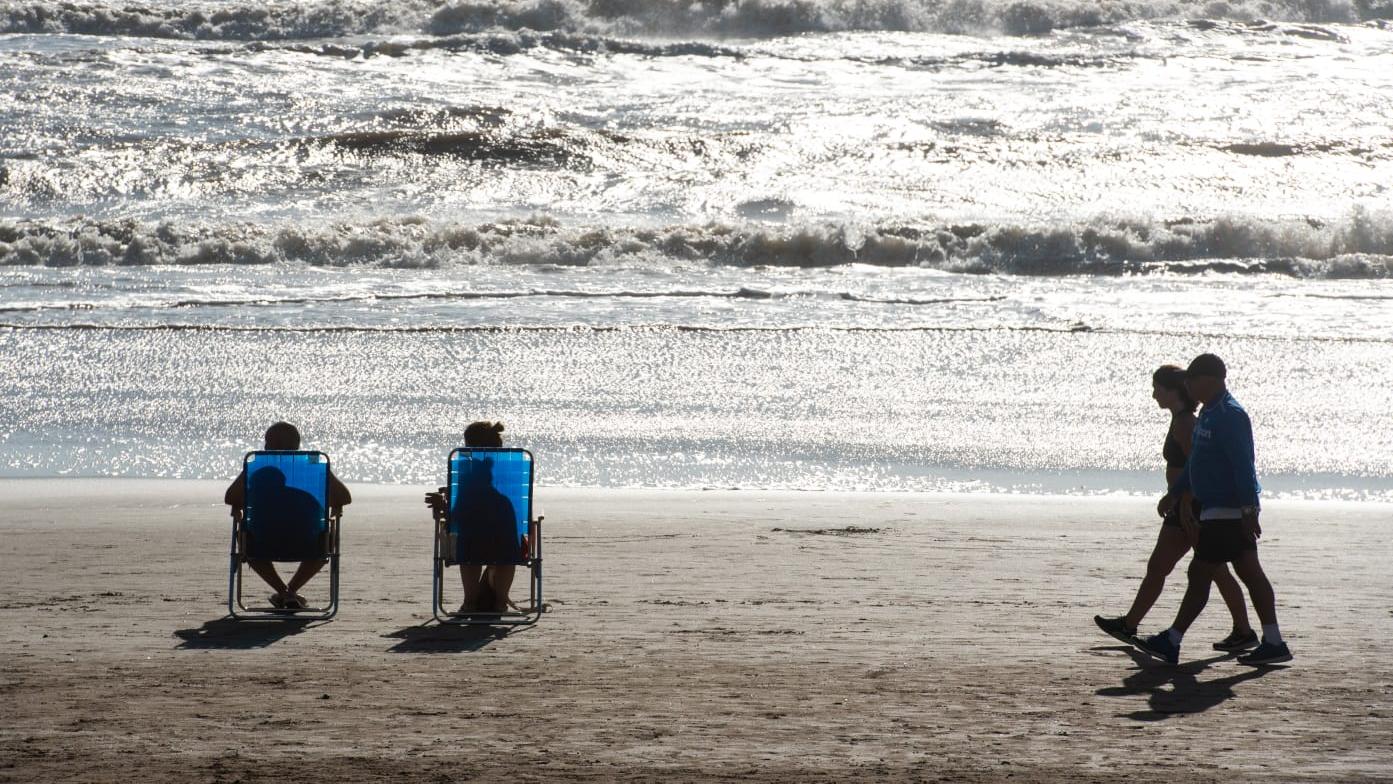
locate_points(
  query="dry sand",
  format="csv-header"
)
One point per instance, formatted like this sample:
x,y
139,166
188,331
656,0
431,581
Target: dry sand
x,y
693,636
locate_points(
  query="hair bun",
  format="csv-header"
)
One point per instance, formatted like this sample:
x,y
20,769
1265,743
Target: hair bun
x,y
498,427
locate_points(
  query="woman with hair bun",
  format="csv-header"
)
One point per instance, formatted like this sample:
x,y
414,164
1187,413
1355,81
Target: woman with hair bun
x,y
485,587
1179,528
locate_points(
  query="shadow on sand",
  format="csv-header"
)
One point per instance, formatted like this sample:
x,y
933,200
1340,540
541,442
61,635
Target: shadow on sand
x,y
228,632
1187,693
443,638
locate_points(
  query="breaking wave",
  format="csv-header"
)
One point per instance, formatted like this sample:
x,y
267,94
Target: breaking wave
x,y
1358,247
271,21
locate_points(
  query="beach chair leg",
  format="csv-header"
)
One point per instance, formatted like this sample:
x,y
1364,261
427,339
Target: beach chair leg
x,y
235,606
232,586
333,608
537,605
437,586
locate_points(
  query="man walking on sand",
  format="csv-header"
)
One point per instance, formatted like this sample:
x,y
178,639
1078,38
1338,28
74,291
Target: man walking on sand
x,y
1222,476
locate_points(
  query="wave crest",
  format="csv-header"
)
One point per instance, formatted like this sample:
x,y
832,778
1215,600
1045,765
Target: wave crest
x,y
250,21
762,18
1359,247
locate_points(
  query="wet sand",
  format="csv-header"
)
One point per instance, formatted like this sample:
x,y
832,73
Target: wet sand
x,y
779,637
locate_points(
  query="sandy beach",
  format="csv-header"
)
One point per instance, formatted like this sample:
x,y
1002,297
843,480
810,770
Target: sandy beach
x,y
758,636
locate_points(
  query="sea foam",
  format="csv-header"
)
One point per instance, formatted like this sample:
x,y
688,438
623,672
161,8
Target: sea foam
x,y
1359,247
268,21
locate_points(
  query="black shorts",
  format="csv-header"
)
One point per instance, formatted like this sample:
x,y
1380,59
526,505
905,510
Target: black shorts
x,y
1222,541
1172,517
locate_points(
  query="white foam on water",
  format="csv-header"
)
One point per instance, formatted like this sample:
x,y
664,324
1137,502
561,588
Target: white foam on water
x,y
736,18
872,244
1360,246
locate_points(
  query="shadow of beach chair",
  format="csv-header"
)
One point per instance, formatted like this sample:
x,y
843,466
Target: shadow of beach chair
x,y
286,518
488,521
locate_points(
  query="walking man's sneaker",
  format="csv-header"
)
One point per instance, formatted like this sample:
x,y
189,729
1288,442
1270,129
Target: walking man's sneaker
x,y
1118,628
1160,647
1267,653
1237,641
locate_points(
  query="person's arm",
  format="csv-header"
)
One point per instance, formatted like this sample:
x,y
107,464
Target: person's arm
x,y
1237,442
1185,436
235,496
1184,431
338,493
1181,485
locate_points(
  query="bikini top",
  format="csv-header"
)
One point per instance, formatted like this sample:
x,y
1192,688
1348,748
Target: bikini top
x,y
1173,452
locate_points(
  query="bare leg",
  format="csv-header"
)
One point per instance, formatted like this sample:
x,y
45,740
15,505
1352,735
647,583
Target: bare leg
x,y
501,578
267,571
1259,588
303,574
469,576
1170,548
1233,597
1201,574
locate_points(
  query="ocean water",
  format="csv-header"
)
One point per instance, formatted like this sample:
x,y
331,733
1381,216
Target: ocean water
x,y
871,244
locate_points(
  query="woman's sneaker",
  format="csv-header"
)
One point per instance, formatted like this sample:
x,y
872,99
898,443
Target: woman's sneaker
x,y
1118,628
1237,641
1159,646
1267,653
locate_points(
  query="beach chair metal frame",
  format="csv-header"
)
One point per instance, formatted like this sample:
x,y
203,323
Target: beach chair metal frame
x,y
517,616
235,605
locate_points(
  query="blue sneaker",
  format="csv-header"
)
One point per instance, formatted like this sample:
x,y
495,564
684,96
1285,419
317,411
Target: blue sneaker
x,y
1265,654
1160,647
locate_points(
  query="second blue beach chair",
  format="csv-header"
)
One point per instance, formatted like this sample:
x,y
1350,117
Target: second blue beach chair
x,y
487,521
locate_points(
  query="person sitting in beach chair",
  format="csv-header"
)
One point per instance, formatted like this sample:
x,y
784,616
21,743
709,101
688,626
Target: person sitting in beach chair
x,y
289,523
484,523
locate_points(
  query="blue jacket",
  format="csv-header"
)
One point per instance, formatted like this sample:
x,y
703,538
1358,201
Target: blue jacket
x,y
1220,471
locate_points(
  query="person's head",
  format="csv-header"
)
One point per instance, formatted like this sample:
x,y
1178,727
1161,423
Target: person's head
x,y
1205,378
485,434
1168,389
282,436
268,479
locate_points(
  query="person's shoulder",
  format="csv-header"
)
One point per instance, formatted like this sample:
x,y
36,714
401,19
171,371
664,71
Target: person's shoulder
x,y
1233,407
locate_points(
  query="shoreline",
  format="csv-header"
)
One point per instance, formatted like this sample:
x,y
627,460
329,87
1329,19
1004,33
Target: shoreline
x,y
693,636
987,496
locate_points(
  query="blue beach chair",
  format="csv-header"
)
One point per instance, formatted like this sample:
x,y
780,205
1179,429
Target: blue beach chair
x,y
488,520
286,517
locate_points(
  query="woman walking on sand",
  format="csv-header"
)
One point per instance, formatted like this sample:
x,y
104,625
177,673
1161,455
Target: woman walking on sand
x,y
1179,528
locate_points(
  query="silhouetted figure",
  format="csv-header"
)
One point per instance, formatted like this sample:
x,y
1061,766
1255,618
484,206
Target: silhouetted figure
x,y
283,436
486,519
1179,526
487,522
1222,475
287,520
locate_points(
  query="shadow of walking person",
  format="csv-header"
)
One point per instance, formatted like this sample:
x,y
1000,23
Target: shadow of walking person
x,y
1186,692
